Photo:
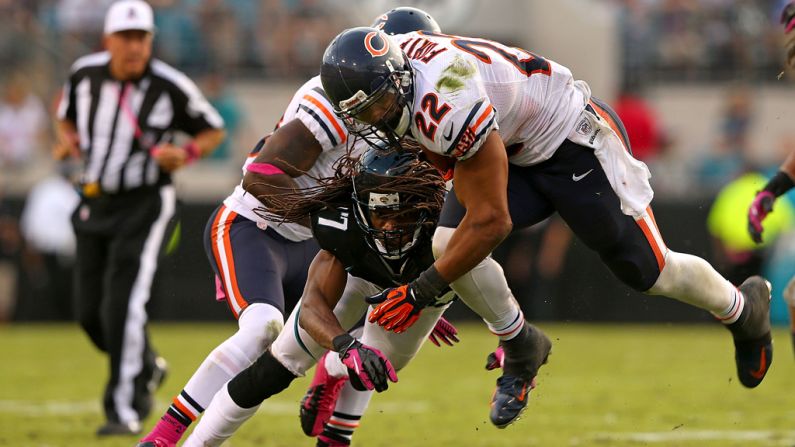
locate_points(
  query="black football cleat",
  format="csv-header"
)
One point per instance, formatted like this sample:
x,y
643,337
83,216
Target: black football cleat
x,y
509,400
753,346
523,356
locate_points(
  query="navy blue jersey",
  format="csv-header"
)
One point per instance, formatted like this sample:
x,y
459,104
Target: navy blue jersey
x,y
336,231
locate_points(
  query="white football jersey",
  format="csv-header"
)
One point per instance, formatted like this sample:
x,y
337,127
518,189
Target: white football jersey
x,y
312,107
466,87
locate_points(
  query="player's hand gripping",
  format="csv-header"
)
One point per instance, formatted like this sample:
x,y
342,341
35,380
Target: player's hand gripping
x,y
444,331
759,209
398,308
368,368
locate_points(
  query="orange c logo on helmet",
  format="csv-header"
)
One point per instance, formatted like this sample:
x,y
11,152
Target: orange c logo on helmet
x,y
368,44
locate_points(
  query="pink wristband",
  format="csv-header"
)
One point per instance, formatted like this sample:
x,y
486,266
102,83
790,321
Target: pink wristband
x,y
264,169
193,151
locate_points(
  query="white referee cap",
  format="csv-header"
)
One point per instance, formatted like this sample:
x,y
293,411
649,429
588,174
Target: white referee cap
x,y
129,15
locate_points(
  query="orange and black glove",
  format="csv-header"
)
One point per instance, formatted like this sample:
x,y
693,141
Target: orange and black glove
x,y
398,308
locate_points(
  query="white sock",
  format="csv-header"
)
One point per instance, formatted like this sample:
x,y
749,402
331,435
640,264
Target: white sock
x,y
692,280
258,326
730,314
221,420
485,290
350,407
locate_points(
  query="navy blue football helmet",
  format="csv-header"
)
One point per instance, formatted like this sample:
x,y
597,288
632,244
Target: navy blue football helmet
x,y
405,19
380,192
369,81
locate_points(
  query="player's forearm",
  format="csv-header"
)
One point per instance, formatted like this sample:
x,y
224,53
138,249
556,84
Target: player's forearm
x,y
66,140
207,140
473,240
319,321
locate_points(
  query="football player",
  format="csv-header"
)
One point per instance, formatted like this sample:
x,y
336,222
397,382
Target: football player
x,y
261,263
374,224
782,182
527,140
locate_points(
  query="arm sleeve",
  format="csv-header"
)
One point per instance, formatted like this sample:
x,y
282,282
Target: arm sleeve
x,y
192,112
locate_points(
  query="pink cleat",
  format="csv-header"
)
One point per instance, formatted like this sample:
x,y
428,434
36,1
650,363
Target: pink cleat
x,y
317,404
166,433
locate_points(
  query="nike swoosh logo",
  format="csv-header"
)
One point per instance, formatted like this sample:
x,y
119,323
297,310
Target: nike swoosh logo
x,y
577,178
759,373
449,135
523,394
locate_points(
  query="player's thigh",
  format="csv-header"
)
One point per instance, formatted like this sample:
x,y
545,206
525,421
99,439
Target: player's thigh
x,y
248,261
526,204
630,247
297,350
401,348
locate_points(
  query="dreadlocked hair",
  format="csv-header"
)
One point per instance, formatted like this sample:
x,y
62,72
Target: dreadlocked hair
x,y
422,187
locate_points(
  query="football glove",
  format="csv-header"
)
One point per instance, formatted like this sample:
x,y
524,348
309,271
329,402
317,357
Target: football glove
x,y
445,332
368,368
496,359
759,209
396,309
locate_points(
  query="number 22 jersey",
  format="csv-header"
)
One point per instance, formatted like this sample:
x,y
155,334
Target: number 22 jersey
x,y
466,87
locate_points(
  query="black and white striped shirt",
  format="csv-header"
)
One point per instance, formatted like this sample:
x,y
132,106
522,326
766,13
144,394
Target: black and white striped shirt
x,y
119,122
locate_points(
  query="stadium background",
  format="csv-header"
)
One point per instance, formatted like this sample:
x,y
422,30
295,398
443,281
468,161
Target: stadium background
x,y
700,83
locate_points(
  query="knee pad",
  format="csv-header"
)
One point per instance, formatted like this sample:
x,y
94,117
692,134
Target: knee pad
x,y
261,380
441,237
260,323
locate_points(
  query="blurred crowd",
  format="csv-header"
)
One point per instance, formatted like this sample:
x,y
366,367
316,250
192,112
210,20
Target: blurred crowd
x,y
700,40
218,41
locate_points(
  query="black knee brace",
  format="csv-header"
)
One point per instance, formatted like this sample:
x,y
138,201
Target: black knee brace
x,y
261,380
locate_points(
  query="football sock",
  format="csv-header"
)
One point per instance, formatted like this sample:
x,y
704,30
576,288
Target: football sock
x,y
692,280
220,421
351,404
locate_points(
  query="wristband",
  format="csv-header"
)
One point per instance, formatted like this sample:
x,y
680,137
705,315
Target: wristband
x,y
341,343
264,169
430,283
787,16
193,151
779,184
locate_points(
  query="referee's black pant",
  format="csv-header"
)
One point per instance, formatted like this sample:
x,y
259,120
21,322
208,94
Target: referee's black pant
x,y
119,240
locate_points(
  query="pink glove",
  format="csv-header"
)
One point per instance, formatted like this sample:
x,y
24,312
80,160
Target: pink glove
x,y
368,368
444,331
496,359
760,207
788,17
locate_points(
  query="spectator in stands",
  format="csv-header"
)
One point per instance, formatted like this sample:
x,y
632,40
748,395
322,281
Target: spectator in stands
x,y
640,121
728,158
214,87
23,123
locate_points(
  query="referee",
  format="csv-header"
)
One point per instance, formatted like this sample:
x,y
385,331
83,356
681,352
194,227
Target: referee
x,y
118,113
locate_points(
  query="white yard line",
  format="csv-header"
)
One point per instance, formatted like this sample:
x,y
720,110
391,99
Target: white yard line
x,y
770,437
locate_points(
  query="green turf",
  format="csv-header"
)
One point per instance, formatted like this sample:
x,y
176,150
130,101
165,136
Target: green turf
x,y
605,385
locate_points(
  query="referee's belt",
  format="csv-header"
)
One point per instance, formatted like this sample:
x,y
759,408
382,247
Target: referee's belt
x,y
93,190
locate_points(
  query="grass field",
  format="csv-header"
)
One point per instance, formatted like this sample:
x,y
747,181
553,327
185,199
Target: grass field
x,y
605,385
